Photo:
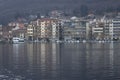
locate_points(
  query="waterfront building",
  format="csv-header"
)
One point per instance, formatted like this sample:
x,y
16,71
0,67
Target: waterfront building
x,y
112,28
31,31
49,28
115,26
45,29
77,30
7,33
108,29
20,33
97,30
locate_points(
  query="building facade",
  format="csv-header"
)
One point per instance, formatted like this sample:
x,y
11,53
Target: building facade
x,y
45,28
78,30
98,30
115,28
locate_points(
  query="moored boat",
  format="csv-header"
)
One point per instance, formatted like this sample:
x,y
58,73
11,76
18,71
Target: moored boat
x,y
17,40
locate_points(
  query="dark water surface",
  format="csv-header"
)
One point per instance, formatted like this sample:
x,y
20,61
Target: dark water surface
x,y
69,61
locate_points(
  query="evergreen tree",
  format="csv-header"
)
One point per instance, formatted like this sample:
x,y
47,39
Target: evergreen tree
x,y
83,10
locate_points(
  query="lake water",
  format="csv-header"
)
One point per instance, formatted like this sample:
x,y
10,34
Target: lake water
x,y
64,61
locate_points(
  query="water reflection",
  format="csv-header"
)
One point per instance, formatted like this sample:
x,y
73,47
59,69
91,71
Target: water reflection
x,y
111,57
51,61
16,53
43,56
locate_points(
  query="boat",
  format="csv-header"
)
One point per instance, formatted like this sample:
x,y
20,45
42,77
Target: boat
x,y
17,40
84,41
21,40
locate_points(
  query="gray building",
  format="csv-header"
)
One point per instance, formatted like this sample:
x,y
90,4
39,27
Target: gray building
x,y
78,30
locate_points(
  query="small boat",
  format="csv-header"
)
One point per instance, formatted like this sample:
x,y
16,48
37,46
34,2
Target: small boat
x,y
84,41
17,40
21,40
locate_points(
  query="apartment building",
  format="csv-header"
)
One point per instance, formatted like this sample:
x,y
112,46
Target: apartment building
x,y
49,28
115,28
112,28
31,31
78,30
106,29
97,30
44,28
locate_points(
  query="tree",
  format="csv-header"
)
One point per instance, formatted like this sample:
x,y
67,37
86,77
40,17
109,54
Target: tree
x,y
76,12
83,10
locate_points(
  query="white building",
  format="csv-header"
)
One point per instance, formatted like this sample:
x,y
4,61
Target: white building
x,y
115,28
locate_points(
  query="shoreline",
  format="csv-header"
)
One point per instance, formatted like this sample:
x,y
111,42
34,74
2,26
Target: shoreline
x,y
84,41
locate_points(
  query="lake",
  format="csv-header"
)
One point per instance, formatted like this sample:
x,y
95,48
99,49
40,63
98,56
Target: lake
x,y
60,61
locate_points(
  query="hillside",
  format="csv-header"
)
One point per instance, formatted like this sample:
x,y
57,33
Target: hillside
x,y
8,8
